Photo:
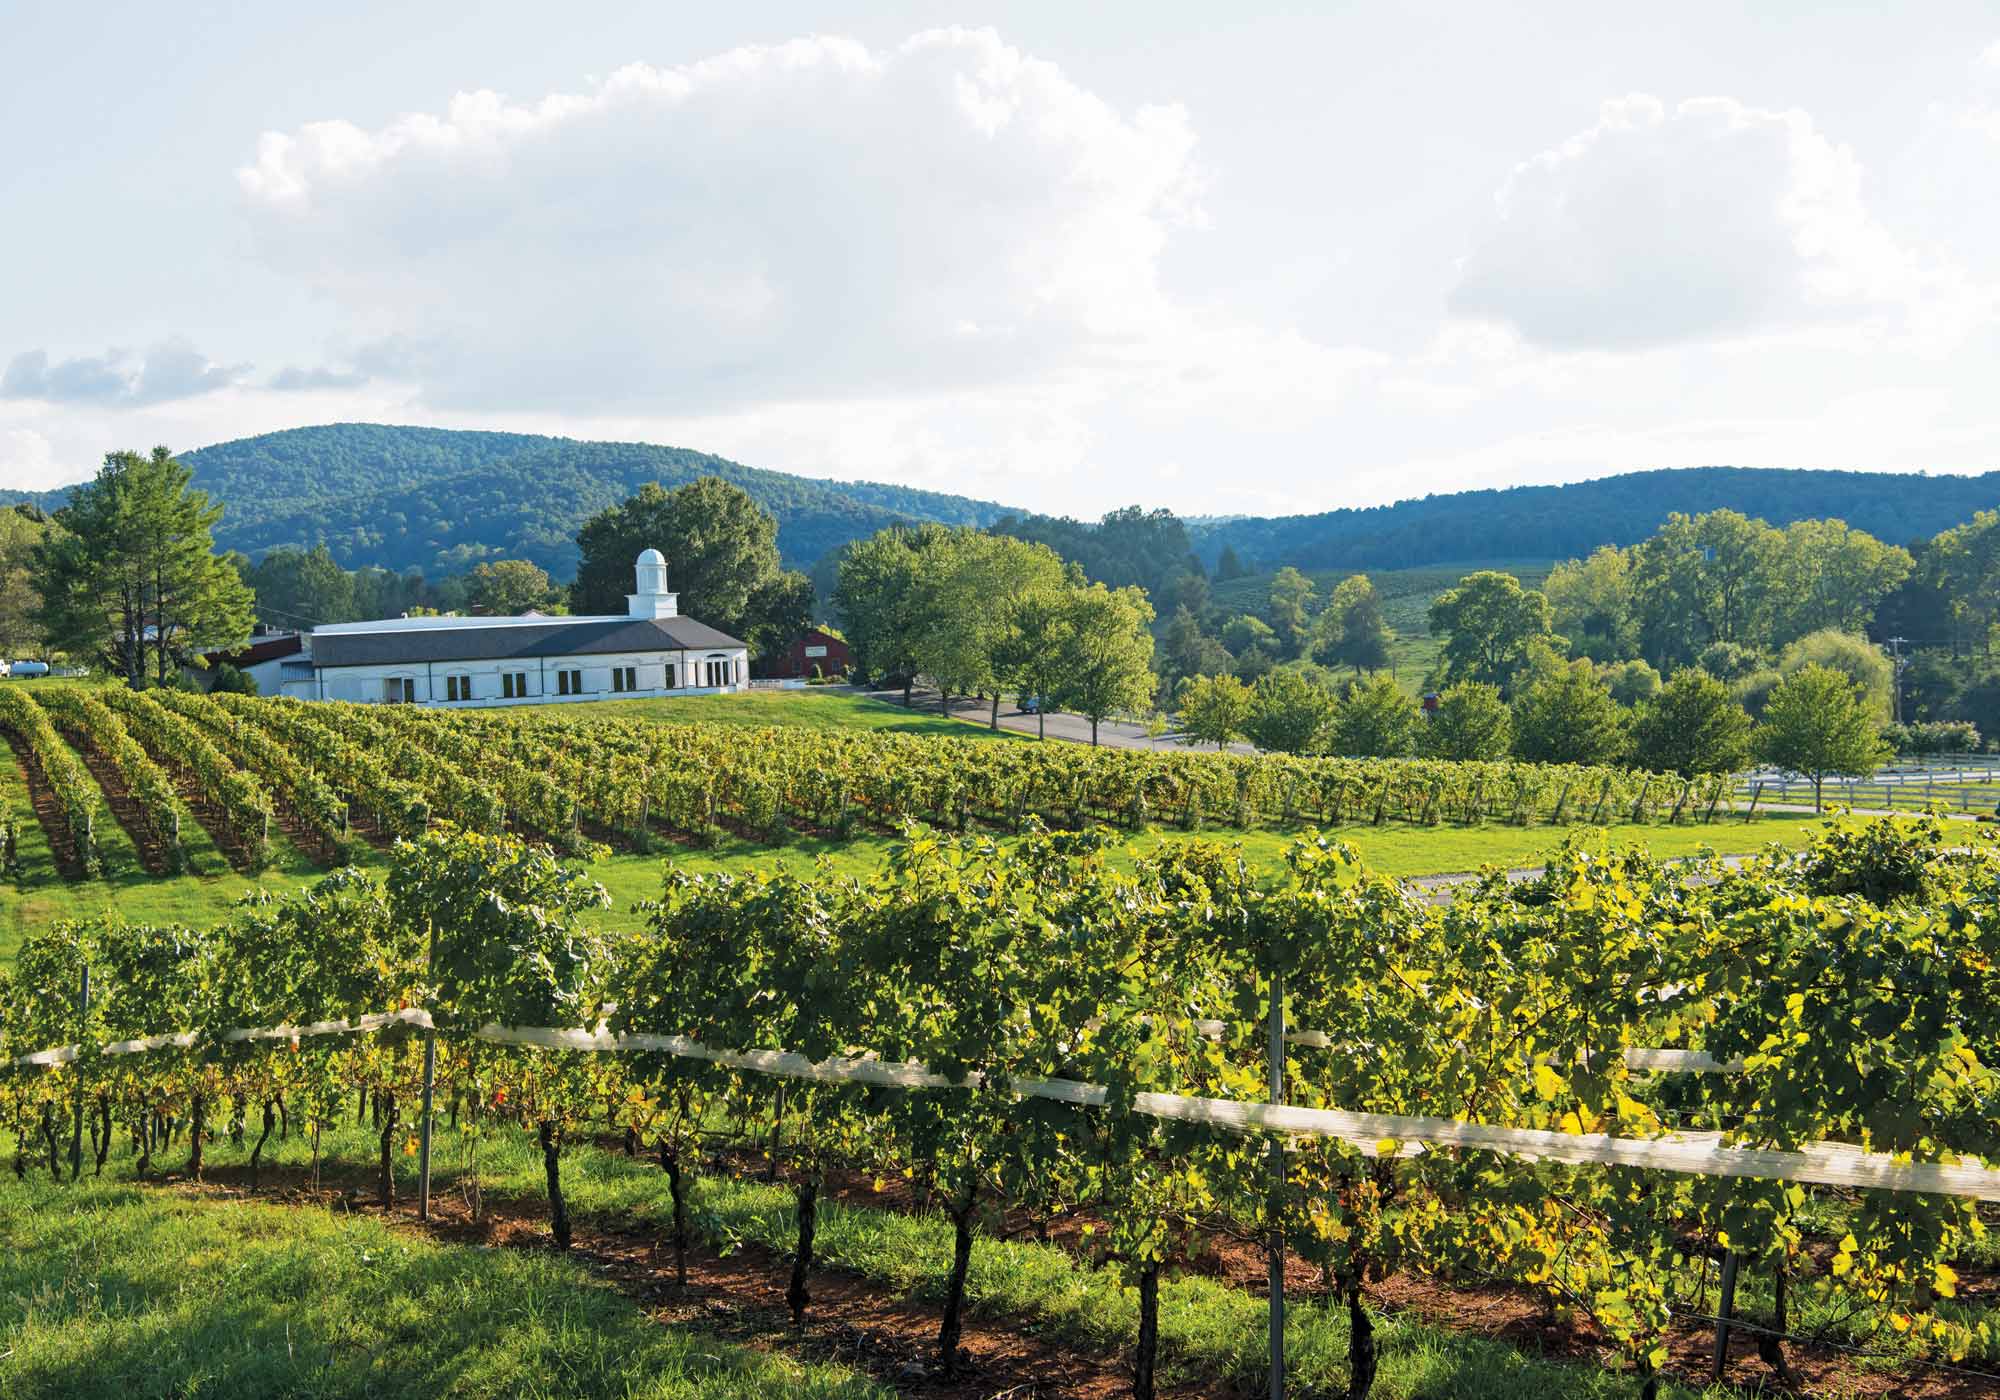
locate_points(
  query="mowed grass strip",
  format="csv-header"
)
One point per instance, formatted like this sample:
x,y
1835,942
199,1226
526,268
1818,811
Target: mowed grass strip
x,y
815,707
360,1285
41,895
116,1291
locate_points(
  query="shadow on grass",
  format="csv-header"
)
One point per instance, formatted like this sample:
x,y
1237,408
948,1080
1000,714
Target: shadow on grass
x,y
116,1292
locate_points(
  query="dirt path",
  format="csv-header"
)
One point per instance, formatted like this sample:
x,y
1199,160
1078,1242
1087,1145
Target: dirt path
x,y
154,853
741,1298
48,811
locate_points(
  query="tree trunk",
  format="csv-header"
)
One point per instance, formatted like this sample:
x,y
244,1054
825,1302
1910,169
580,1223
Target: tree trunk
x,y
385,1188
551,1140
1360,1344
54,1140
104,1141
773,1143
1771,1349
808,1205
1041,721
1149,1332
954,1292
909,683
670,1163
1818,780
1093,731
197,1129
257,1152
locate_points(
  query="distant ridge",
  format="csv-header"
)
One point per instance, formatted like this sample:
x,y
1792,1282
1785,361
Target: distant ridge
x,y
441,499
1561,522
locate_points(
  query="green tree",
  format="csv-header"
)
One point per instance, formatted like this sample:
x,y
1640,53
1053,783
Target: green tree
x,y
1702,579
1228,566
781,611
22,528
968,580
1186,650
1351,632
1818,724
1569,717
1832,576
1693,726
1374,720
1471,722
1590,603
509,587
303,588
1289,609
1107,657
133,570
1630,682
1243,631
1289,712
882,594
719,543
1854,656
1213,709
1488,623
1033,643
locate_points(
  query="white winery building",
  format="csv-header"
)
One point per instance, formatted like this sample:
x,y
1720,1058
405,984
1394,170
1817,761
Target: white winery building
x,y
475,662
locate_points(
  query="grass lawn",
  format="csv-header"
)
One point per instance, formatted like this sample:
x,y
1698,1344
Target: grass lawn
x,y
1394,849
117,1290
814,708
110,1290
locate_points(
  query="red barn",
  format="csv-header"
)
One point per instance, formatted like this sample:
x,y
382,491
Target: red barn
x,y
815,649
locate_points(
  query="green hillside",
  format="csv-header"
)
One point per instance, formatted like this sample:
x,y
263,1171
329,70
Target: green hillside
x,y
441,500
1406,596
1562,522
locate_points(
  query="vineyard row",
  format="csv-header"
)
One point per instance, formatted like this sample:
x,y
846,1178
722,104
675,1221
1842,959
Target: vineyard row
x,y
1854,987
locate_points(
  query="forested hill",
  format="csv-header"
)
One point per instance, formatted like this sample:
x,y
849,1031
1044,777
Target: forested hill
x,y
1560,522
441,500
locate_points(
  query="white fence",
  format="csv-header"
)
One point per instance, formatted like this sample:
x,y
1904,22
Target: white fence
x,y
1696,1154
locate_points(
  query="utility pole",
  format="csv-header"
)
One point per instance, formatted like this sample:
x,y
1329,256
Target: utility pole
x,y
1897,662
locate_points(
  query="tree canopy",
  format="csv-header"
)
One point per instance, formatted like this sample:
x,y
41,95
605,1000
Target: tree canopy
x,y
719,543
132,571
1489,623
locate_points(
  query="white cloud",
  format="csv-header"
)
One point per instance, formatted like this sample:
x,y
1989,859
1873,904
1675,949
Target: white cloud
x,y
1710,220
172,369
28,461
774,224
312,379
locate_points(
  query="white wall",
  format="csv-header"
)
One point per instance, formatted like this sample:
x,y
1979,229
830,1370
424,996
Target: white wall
x,y
364,684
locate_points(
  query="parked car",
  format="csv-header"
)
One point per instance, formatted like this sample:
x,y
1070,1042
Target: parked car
x,y
1031,704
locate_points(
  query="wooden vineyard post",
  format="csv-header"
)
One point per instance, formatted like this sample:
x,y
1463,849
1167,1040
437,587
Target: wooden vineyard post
x,y
430,1088
1562,801
1277,1156
76,1125
1723,1313
1751,810
1639,804
1714,801
1681,801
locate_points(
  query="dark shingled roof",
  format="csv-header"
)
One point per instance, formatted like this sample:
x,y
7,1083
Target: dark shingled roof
x,y
517,640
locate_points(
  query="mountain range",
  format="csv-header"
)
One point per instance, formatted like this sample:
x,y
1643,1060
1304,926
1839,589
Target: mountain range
x,y
440,500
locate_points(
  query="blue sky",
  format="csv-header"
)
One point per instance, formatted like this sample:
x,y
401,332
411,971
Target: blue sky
x,y
1224,259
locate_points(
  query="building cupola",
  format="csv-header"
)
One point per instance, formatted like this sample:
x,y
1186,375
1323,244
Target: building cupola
x,y
652,599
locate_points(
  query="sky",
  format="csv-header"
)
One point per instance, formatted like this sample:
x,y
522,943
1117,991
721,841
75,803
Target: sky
x,y
1248,259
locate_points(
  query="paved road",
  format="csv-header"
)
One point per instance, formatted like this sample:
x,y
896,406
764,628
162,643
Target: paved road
x,y
1073,729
